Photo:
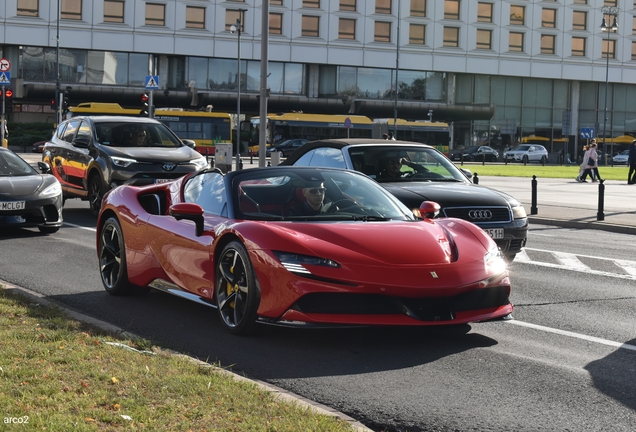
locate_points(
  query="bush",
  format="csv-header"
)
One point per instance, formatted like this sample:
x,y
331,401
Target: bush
x,y
25,134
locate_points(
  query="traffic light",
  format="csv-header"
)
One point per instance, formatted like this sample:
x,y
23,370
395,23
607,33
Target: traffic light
x,y
65,101
145,111
8,99
54,105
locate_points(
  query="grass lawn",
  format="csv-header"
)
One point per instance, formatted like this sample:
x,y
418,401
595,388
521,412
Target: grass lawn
x,y
548,171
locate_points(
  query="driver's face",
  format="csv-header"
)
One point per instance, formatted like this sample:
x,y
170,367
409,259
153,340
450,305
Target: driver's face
x,y
314,195
393,166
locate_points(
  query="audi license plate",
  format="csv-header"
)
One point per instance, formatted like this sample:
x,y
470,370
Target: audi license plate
x,y
11,205
495,233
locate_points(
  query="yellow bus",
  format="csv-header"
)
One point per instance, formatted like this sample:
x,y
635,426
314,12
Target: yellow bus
x,y
205,128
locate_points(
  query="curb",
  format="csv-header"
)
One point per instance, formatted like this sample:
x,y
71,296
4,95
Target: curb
x,y
278,393
597,225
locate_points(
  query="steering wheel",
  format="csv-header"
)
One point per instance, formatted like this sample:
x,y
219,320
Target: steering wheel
x,y
340,204
426,175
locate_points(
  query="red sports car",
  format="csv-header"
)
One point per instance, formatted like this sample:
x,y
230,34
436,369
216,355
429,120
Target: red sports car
x,y
299,246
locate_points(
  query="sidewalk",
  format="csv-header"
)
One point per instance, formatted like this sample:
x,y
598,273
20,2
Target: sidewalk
x,y
560,202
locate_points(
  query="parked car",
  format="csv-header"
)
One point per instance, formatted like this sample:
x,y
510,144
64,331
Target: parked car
x,y
91,155
426,174
287,147
476,153
362,259
28,198
527,153
621,158
38,147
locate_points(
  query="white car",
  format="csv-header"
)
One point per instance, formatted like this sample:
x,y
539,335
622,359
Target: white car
x,y
621,158
527,153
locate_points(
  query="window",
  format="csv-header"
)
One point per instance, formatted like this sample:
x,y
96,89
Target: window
x,y
451,36
418,8
633,50
231,16
515,42
609,48
578,46
517,15
417,34
276,2
548,18
310,26
113,11
547,44
451,9
484,39
484,12
609,3
382,31
348,5
71,9
155,14
579,20
311,3
383,6
346,28
275,23
634,25
580,1
28,7
195,17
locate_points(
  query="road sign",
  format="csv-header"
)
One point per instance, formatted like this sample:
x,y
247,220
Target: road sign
x,y
587,133
5,78
152,82
347,123
5,64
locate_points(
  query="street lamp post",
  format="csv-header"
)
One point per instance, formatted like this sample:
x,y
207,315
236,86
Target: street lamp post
x,y
612,13
238,28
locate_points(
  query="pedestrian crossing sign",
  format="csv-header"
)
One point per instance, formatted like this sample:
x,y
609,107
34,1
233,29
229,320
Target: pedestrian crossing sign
x,y
152,82
5,78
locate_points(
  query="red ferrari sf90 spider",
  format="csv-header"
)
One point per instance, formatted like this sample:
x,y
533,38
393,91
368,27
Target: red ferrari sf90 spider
x,y
299,246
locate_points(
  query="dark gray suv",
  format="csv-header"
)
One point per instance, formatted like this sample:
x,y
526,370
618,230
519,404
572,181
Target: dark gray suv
x,y
91,155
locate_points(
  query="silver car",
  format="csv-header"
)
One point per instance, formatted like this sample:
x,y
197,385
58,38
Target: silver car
x,y
527,153
621,158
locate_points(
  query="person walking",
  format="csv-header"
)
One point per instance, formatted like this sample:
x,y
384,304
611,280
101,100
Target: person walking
x,y
582,166
631,161
591,162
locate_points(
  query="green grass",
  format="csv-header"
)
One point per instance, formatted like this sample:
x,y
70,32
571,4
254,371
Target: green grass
x,y
58,374
547,171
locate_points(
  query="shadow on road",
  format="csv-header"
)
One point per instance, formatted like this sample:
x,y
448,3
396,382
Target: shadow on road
x,y
608,375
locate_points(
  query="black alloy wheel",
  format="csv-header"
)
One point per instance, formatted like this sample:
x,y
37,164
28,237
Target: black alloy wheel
x,y
236,291
95,194
525,159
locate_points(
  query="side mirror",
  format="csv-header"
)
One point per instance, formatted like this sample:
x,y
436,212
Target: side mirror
x,y
467,173
44,167
81,142
189,143
189,211
429,209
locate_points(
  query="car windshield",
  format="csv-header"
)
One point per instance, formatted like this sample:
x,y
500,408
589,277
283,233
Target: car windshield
x,y
522,148
313,194
400,163
123,134
13,165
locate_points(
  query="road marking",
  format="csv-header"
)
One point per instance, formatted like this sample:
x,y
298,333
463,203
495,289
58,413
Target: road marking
x,y
80,226
574,335
570,260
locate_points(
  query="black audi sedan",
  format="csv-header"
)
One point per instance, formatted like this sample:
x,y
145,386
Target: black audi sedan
x,y
416,172
28,198
91,155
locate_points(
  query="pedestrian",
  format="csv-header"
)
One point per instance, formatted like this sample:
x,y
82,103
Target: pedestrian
x,y
582,166
631,161
391,137
385,136
591,162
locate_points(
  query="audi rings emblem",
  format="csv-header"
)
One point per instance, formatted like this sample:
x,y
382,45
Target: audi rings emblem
x,y
480,214
169,166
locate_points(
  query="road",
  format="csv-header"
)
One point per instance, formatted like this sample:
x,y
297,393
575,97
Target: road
x,y
566,362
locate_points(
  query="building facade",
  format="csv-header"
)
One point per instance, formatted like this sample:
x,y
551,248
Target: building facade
x,y
498,70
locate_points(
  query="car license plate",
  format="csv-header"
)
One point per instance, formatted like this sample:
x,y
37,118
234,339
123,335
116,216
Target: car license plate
x,y
162,180
11,205
495,233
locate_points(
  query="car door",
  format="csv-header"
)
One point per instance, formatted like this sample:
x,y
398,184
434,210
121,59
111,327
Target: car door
x,y
78,155
59,154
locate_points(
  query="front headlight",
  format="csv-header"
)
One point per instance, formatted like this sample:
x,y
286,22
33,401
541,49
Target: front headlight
x,y
495,262
122,162
295,262
52,190
518,212
199,162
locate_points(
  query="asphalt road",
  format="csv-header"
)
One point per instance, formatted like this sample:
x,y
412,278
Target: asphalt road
x,y
566,363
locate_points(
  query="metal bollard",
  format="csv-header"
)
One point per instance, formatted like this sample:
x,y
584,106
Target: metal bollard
x,y
461,158
240,164
533,206
600,215
207,155
475,179
483,161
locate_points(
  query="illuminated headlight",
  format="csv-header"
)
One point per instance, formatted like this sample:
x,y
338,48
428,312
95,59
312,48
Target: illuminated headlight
x,y
518,212
122,162
295,263
199,162
495,262
52,190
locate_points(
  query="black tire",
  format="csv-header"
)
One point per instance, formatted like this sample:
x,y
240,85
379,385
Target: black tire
x,y
95,194
544,160
112,260
525,159
48,230
236,292
472,158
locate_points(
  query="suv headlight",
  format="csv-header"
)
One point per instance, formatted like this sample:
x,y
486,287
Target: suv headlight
x,y
200,162
518,212
122,162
